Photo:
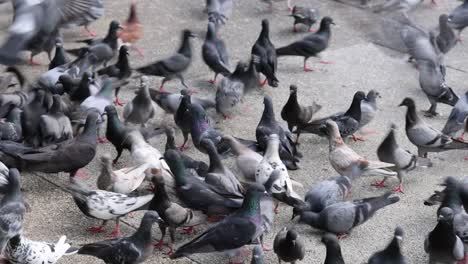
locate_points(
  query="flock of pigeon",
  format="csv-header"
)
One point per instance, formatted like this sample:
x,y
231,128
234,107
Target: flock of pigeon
x,y
54,125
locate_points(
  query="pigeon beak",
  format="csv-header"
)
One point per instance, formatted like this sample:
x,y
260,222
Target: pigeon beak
x,y
121,27
401,104
333,23
193,35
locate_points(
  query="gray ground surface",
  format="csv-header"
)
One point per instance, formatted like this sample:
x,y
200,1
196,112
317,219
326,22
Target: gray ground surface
x,y
359,64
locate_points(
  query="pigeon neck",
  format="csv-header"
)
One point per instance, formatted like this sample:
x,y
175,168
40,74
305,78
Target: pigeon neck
x,y
111,38
14,117
333,253
292,99
122,62
14,191
179,172
185,48
354,110
264,34
251,204
90,130
411,116
170,141
310,218
142,237
215,161
160,196
272,151
268,114
113,122
56,107
237,147
82,91
104,178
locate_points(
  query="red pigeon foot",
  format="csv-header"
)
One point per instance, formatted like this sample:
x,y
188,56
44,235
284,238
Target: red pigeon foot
x,y
33,63
380,184
326,62
212,82
399,189
118,102
341,236
312,30
160,244
356,138
90,32
307,69
80,174
263,83
227,117
102,140
96,229
183,147
116,232
169,252
368,132
188,230
161,89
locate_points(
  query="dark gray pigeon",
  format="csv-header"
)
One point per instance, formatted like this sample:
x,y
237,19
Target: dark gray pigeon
x,y
432,82
288,247
219,11
214,53
141,109
55,126
257,256
458,18
172,67
60,57
30,118
442,244
341,218
183,119
295,114
170,102
334,255
11,128
304,15
311,45
425,137
12,209
392,253
132,250
266,52
457,117
241,228
267,126
447,39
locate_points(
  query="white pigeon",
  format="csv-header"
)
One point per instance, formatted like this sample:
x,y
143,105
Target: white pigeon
x,y
21,250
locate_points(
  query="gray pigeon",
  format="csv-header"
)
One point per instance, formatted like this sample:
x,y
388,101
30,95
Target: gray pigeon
x,y
141,108
11,128
30,117
426,138
247,160
392,253
170,102
403,6
421,45
341,218
368,108
457,117
458,18
12,209
432,82
257,256
266,52
304,15
55,126
132,250
214,52
334,255
219,11
173,66
442,244
60,57
447,39
241,228
288,247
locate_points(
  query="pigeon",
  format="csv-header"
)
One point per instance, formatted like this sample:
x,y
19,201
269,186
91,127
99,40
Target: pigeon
x,y
219,11
343,158
288,247
60,57
247,73
172,214
348,122
334,255
426,138
311,45
194,192
55,126
240,228
23,250
247,160
68,156
174,66
341,218
295,114
325,193
102,99
447,39
124,180
199,166
43,20
141,108
11,128
132,29
304,15
421,45
432,82
441,243
105,205
457,117
120,70
12,209
183,119
368,108
222,180
257,256
403,6
392,253
214,52
170,102
389,151
30,118
80,89
267,126
133,249
458,18
265,51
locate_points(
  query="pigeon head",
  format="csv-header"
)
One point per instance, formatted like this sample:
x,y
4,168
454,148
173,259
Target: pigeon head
x,y
435,198
56,104
158,181
132,16
257,255
123,52
372,95
265,29
330,240
399,233
144,81
293,89
445,215
58,42
443,20
114,26
331,129
188,34
110,110
14,185
408,102
106,158
325,23
151,216
291,235
14,242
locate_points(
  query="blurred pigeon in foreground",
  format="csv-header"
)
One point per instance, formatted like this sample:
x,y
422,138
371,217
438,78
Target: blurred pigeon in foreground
x,y
304,15
266,52
288,247
441,243
22,250
242,227
172,67
458,18
214,53
421,45
132,29
447,39
133,249
403,6
341,218
311,45
426,138
334,255
392,253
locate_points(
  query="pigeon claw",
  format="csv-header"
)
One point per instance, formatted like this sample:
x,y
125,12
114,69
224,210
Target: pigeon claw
x,y
227,117
33,63
183,147
96,229
188,230
380,184
160,244
116,232
341,236
399,189
118,102
151,188
307,69
326,62
263,83
212,82
90,32
102,140
356,138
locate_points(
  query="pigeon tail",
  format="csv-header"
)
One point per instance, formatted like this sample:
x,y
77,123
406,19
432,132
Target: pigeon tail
x,y
286,51
449,98
380,202
456,144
